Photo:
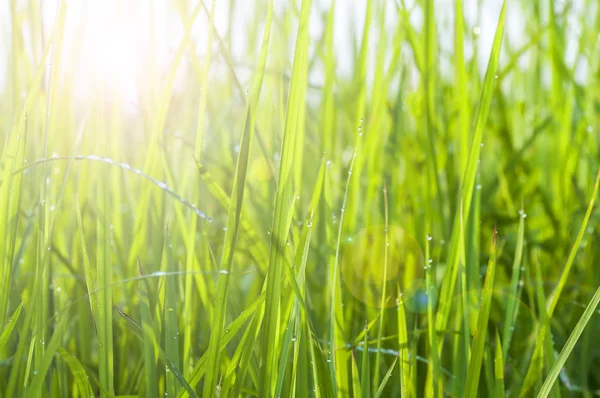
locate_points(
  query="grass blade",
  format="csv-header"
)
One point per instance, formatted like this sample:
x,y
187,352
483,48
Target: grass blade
x,y
569,345
296,99
478,347
233,222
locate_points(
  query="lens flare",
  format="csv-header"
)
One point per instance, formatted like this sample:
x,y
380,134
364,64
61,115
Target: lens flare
x,y
367,277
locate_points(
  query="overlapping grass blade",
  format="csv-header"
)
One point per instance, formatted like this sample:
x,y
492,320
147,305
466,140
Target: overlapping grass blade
x,y
270,340
469,174
477,351
233,222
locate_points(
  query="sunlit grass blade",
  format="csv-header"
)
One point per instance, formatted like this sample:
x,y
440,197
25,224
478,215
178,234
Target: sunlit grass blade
x,y
513,293
104,273
555,296
365,370
170,313
499,391
79,374
434,375
233,222
149,342
406,386
356,388
300,366
247,345
41,372
469,174
386,378
9,327
230,332
296,99
478,347
336,327
384,279
179,376
569,345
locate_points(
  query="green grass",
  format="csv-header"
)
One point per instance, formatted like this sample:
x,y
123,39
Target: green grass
x,y
262,224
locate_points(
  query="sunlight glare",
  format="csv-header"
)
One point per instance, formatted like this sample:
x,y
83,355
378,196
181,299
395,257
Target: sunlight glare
x,y
114,52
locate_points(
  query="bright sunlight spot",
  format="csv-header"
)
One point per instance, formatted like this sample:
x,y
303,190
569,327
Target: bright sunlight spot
x,y
115,46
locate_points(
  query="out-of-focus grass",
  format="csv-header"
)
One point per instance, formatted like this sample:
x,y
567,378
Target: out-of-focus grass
x,y
273,227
